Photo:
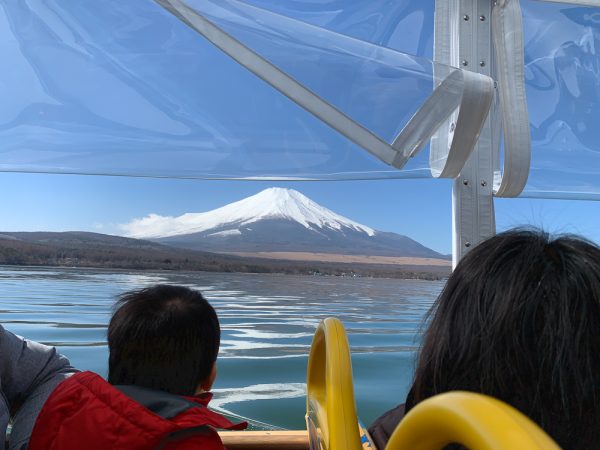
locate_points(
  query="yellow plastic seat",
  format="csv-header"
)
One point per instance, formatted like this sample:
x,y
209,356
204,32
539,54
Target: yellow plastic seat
x,y
476,421
330,408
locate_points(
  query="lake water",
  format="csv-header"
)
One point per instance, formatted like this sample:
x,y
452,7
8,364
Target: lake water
x,y
267,325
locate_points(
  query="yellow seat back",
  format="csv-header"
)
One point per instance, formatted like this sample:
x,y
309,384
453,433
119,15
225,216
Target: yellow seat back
x,y
475,421
330,409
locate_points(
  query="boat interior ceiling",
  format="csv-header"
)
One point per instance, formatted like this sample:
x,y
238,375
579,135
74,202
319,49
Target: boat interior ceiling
x,y
338,91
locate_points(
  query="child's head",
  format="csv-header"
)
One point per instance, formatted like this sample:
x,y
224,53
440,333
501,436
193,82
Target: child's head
x,y
519,319
163,337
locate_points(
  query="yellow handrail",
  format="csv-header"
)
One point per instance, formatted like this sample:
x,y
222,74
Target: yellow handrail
x,y
476,421
330,409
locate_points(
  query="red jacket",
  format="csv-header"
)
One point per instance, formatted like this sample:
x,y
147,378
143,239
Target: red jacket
x,y
86,412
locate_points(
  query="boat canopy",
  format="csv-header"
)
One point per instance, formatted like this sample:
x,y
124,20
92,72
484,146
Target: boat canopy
x,y
301,90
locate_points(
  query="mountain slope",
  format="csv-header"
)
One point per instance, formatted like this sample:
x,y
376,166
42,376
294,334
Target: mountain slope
x,y
276,235
275,220
80,239
272,203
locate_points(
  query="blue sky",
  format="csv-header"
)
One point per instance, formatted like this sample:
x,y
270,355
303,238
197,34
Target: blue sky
x,y
420,209
126,87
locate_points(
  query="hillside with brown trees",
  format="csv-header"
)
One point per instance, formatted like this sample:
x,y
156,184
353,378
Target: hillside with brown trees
x,y
83,249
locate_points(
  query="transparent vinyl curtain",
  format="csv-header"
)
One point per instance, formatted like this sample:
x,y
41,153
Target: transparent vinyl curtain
x,y
131,88
128,88
562,79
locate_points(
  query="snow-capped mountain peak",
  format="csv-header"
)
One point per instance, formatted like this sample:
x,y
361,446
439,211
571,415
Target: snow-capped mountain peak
x,y
271,203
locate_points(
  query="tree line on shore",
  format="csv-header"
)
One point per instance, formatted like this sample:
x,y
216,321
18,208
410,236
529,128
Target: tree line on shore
x,y
80,253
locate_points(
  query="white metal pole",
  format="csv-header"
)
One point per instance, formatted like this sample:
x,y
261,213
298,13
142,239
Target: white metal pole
x,y
472,196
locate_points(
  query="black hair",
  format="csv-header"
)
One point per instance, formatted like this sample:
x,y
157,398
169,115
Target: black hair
x,y
163,337
519,319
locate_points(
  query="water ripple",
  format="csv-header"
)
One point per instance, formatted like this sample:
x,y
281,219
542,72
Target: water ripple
x,y
267,326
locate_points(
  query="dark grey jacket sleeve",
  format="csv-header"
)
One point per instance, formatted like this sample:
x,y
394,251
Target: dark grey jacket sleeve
x,y
381,430
29,371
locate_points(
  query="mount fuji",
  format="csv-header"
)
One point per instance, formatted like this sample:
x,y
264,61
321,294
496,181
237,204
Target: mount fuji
x,y
274,220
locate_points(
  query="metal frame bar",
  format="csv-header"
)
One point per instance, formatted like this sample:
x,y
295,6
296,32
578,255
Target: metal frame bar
x,y
472,195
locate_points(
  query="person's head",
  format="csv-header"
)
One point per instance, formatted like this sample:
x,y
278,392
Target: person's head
x,y
163,337
519,319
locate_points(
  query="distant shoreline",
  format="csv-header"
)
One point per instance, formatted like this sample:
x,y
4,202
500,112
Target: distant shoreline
x,y
94,250
398,275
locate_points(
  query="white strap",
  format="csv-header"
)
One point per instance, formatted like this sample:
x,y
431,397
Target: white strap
x,y
282,82
473,94
452,145
507,32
